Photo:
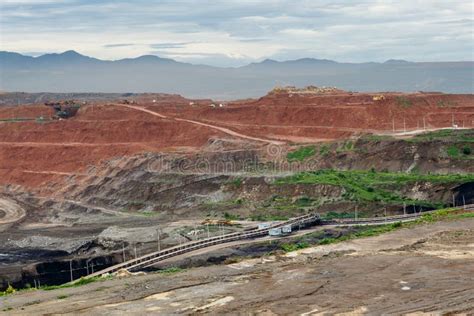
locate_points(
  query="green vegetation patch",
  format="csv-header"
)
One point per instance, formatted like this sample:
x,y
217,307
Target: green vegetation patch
x,y
462,135
236,182
463,152
369,186
453,151
80,282
334,215
301,153
345,147
295,246
10,290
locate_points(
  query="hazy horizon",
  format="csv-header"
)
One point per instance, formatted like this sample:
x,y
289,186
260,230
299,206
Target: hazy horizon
x,y
257,61
236,33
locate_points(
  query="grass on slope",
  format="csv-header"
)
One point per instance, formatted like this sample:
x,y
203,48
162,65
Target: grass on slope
x,y
369,186
301,153
462,135
80,282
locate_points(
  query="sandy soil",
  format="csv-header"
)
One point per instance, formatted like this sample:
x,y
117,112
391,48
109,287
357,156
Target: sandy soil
x,y
427,269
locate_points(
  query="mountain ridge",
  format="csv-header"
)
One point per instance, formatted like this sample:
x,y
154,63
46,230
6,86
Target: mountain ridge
x,y
71,71
74,54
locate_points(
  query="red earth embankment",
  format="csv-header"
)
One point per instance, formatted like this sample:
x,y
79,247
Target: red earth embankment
x,y
32,152
336,116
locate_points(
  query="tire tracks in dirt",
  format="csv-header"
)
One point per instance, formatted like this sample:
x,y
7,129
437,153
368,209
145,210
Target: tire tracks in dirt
x,y
10,211
221,129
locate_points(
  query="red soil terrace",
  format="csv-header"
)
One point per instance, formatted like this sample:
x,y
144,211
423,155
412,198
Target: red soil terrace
x,y
32,152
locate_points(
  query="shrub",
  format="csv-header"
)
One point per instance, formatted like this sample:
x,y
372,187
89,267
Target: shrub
x,y
10,289
171,270
293,247
453,151
301,153
237,182
466,150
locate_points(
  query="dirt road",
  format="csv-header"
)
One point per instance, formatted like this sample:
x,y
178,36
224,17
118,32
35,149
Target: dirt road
x,y
222,129
10,212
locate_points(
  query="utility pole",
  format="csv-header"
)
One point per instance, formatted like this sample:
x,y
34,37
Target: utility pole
x,y
208,234
454,201
404,208
424,123
135,250
393,124
123,251
158,238
70,269
404,125
87,267
355,213
463,202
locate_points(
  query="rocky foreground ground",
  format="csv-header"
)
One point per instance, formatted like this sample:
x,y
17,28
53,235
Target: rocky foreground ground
x,y
424,269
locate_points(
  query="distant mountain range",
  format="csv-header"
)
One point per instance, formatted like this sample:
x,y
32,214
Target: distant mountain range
x,y
73,72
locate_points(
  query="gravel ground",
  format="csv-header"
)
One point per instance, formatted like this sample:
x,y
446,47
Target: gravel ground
x,y
423,269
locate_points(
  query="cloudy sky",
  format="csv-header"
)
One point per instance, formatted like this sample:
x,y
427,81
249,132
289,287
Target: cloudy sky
x,y
236,32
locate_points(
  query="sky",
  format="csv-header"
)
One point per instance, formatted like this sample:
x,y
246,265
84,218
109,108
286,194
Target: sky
x,y
237,32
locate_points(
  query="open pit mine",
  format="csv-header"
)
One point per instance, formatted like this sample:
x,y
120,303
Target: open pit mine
x,y
303,201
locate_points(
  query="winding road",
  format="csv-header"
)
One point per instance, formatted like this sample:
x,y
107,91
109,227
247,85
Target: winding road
x,y
10,211
221,129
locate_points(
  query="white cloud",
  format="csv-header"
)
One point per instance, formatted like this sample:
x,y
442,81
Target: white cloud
x,y
242,31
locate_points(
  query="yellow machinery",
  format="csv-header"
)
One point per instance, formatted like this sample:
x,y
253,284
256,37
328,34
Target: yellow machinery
x,y
223,222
